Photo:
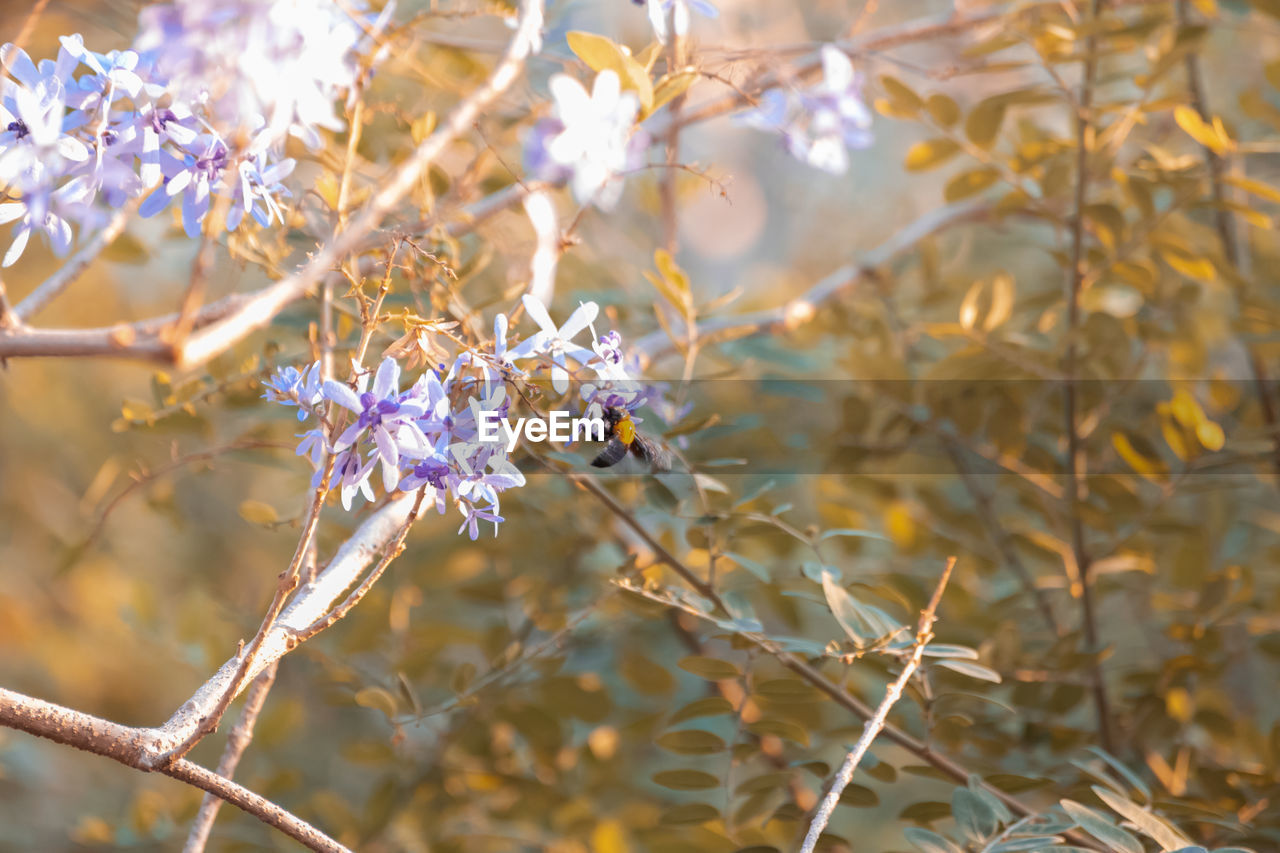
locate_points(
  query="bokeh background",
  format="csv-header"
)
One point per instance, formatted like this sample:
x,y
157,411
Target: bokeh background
x,y
501,695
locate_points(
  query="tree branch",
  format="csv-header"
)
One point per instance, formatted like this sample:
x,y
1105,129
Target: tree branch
x,y
1076,473
38,299
129,747
797,311
873,726
238,740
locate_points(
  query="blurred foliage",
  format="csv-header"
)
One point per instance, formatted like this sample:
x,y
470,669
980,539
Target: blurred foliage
x,y
513,694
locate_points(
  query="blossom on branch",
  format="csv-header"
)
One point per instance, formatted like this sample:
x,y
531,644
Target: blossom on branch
x,y
821,124
589,141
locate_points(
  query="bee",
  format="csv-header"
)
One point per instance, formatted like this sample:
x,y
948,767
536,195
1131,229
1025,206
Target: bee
x,y
621,436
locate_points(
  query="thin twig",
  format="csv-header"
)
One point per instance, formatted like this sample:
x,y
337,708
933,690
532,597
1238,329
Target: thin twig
x,y
804,307
238,740
1076,473
258,312
998,535
873,726
7,318
38,299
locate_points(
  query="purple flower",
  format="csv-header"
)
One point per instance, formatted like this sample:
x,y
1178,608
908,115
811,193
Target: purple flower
x,y
819,126
32,218
34,147
382,413
292,387
352,475
472,516
194,177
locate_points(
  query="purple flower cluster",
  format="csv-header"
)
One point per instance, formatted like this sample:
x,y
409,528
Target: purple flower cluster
x,y
427,436
89,131
821,124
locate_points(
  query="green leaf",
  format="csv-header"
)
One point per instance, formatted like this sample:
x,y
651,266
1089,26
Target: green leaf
x,y
1035,842
1097,825
780,728
943,650
686,780
1125,773
929,154
973,670
760,570
970,183
861,622
712,669
692,742
711,706
859,796
929,842
764,782
690,814
926,812
975,819
853,533
1154,826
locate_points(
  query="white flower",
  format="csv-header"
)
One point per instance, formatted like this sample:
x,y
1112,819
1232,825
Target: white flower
x,y
678,11
557,342
590,142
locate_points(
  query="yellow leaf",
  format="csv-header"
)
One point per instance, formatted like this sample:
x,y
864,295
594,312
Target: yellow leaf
x,y
609,837
901,96
422,127
970,183
1186,409
1001,301
1212,137
377,698
257,512
596,51
1177,703
1150,467
1190,265
900,526
1210,435
1257,188
969,306
671,87
983,124
601,54
942,110
930,153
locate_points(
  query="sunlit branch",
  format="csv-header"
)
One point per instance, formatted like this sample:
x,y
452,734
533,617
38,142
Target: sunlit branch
x,y
129,747
873,726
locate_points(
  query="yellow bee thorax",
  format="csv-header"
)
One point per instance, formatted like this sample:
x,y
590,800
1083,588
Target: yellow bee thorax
x,y
626,430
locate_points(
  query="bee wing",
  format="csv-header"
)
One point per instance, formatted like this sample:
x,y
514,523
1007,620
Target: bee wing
x,y
614,452
651,452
